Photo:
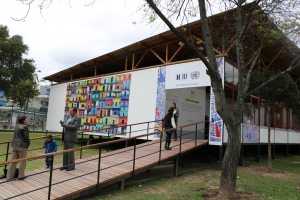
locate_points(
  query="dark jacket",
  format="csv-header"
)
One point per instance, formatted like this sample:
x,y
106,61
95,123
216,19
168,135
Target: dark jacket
x,y
70,131
167,124
21,137
50,146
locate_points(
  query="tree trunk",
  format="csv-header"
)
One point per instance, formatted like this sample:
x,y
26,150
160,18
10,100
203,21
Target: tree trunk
x,y
269,140
230,161
269,150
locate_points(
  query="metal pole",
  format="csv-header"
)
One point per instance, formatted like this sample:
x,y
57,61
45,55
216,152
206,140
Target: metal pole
x,y
129,136
196,135
180,138
12,113
134,154
147,130
81,145
161,136
107,139
6,157
99,164
50,179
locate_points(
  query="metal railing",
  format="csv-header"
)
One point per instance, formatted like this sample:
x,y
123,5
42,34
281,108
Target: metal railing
x,y
199,134
81,133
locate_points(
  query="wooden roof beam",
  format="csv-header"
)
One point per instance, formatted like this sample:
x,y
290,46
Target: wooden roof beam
x,y
202,41
157,56
274,58
140,60
231,46
176,52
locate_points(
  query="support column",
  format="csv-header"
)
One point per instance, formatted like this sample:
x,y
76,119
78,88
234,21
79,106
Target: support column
x,y
221,153
273,152
175,168
257,159
241,159
122,184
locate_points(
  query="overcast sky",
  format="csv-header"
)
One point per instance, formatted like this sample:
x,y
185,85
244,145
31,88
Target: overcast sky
x,y
67,34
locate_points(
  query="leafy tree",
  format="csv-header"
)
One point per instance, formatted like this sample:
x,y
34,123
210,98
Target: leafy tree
x,y
282,91
258,13
17,74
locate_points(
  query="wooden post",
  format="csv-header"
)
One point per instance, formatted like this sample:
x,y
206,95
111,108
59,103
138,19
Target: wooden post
x,y
126,63
122,184
175,168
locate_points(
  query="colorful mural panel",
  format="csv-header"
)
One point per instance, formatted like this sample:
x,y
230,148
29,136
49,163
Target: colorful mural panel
x,y
101,102
250,133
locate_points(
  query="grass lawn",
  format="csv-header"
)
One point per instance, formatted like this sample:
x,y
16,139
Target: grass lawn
x,y
282,183
36,148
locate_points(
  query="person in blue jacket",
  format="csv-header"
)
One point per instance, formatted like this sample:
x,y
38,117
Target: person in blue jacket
x,y
50,146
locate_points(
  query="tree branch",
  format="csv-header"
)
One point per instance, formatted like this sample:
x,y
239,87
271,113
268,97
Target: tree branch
x,y
183,39
294,64
253,63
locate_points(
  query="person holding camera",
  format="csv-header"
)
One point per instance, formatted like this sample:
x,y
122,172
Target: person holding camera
x,y
70,137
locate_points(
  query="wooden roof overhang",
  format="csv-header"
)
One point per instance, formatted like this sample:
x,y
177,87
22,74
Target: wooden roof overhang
x,y
165,48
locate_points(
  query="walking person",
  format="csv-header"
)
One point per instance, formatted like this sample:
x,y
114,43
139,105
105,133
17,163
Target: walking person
x,y
175,116
20,144
70,137
167,126
50,146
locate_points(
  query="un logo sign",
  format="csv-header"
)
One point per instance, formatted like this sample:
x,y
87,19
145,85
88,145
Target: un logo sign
x,y
195,74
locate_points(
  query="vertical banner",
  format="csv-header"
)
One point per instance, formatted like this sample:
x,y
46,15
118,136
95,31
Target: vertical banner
x,y
216,122
161,94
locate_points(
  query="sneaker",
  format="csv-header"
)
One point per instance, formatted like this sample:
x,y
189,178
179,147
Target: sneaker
x,y
22,178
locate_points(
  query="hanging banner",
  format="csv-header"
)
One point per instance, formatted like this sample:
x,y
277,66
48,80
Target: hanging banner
x,y
161,95
216,123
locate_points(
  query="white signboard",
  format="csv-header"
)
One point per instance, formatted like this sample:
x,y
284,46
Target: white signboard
x,y
187,75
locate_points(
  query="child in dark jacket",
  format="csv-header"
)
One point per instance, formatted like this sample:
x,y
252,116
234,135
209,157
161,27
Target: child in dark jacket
x,y
50,146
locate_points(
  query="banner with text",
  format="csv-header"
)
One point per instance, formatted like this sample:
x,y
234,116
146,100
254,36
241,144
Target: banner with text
x,y
216,122
187,75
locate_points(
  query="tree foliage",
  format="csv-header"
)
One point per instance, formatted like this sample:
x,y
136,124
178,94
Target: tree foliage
x,y
17,74
283,90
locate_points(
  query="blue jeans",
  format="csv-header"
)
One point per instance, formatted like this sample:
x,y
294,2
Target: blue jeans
x,y
48,161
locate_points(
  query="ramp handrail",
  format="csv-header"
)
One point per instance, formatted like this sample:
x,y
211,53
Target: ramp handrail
x,y
100,145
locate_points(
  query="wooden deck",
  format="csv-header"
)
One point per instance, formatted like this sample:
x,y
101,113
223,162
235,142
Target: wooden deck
x,y
69,184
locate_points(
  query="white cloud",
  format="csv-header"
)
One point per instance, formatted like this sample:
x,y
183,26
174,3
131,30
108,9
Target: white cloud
x,y
64,36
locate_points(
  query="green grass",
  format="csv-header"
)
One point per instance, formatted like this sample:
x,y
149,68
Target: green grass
x,y
36,149
282,183
268,187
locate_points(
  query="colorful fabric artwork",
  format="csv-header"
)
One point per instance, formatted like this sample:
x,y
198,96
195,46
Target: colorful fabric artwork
x,y
216,122
161,95
250,133
101,102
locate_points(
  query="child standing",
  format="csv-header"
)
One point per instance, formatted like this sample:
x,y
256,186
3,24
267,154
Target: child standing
x,y
50,146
